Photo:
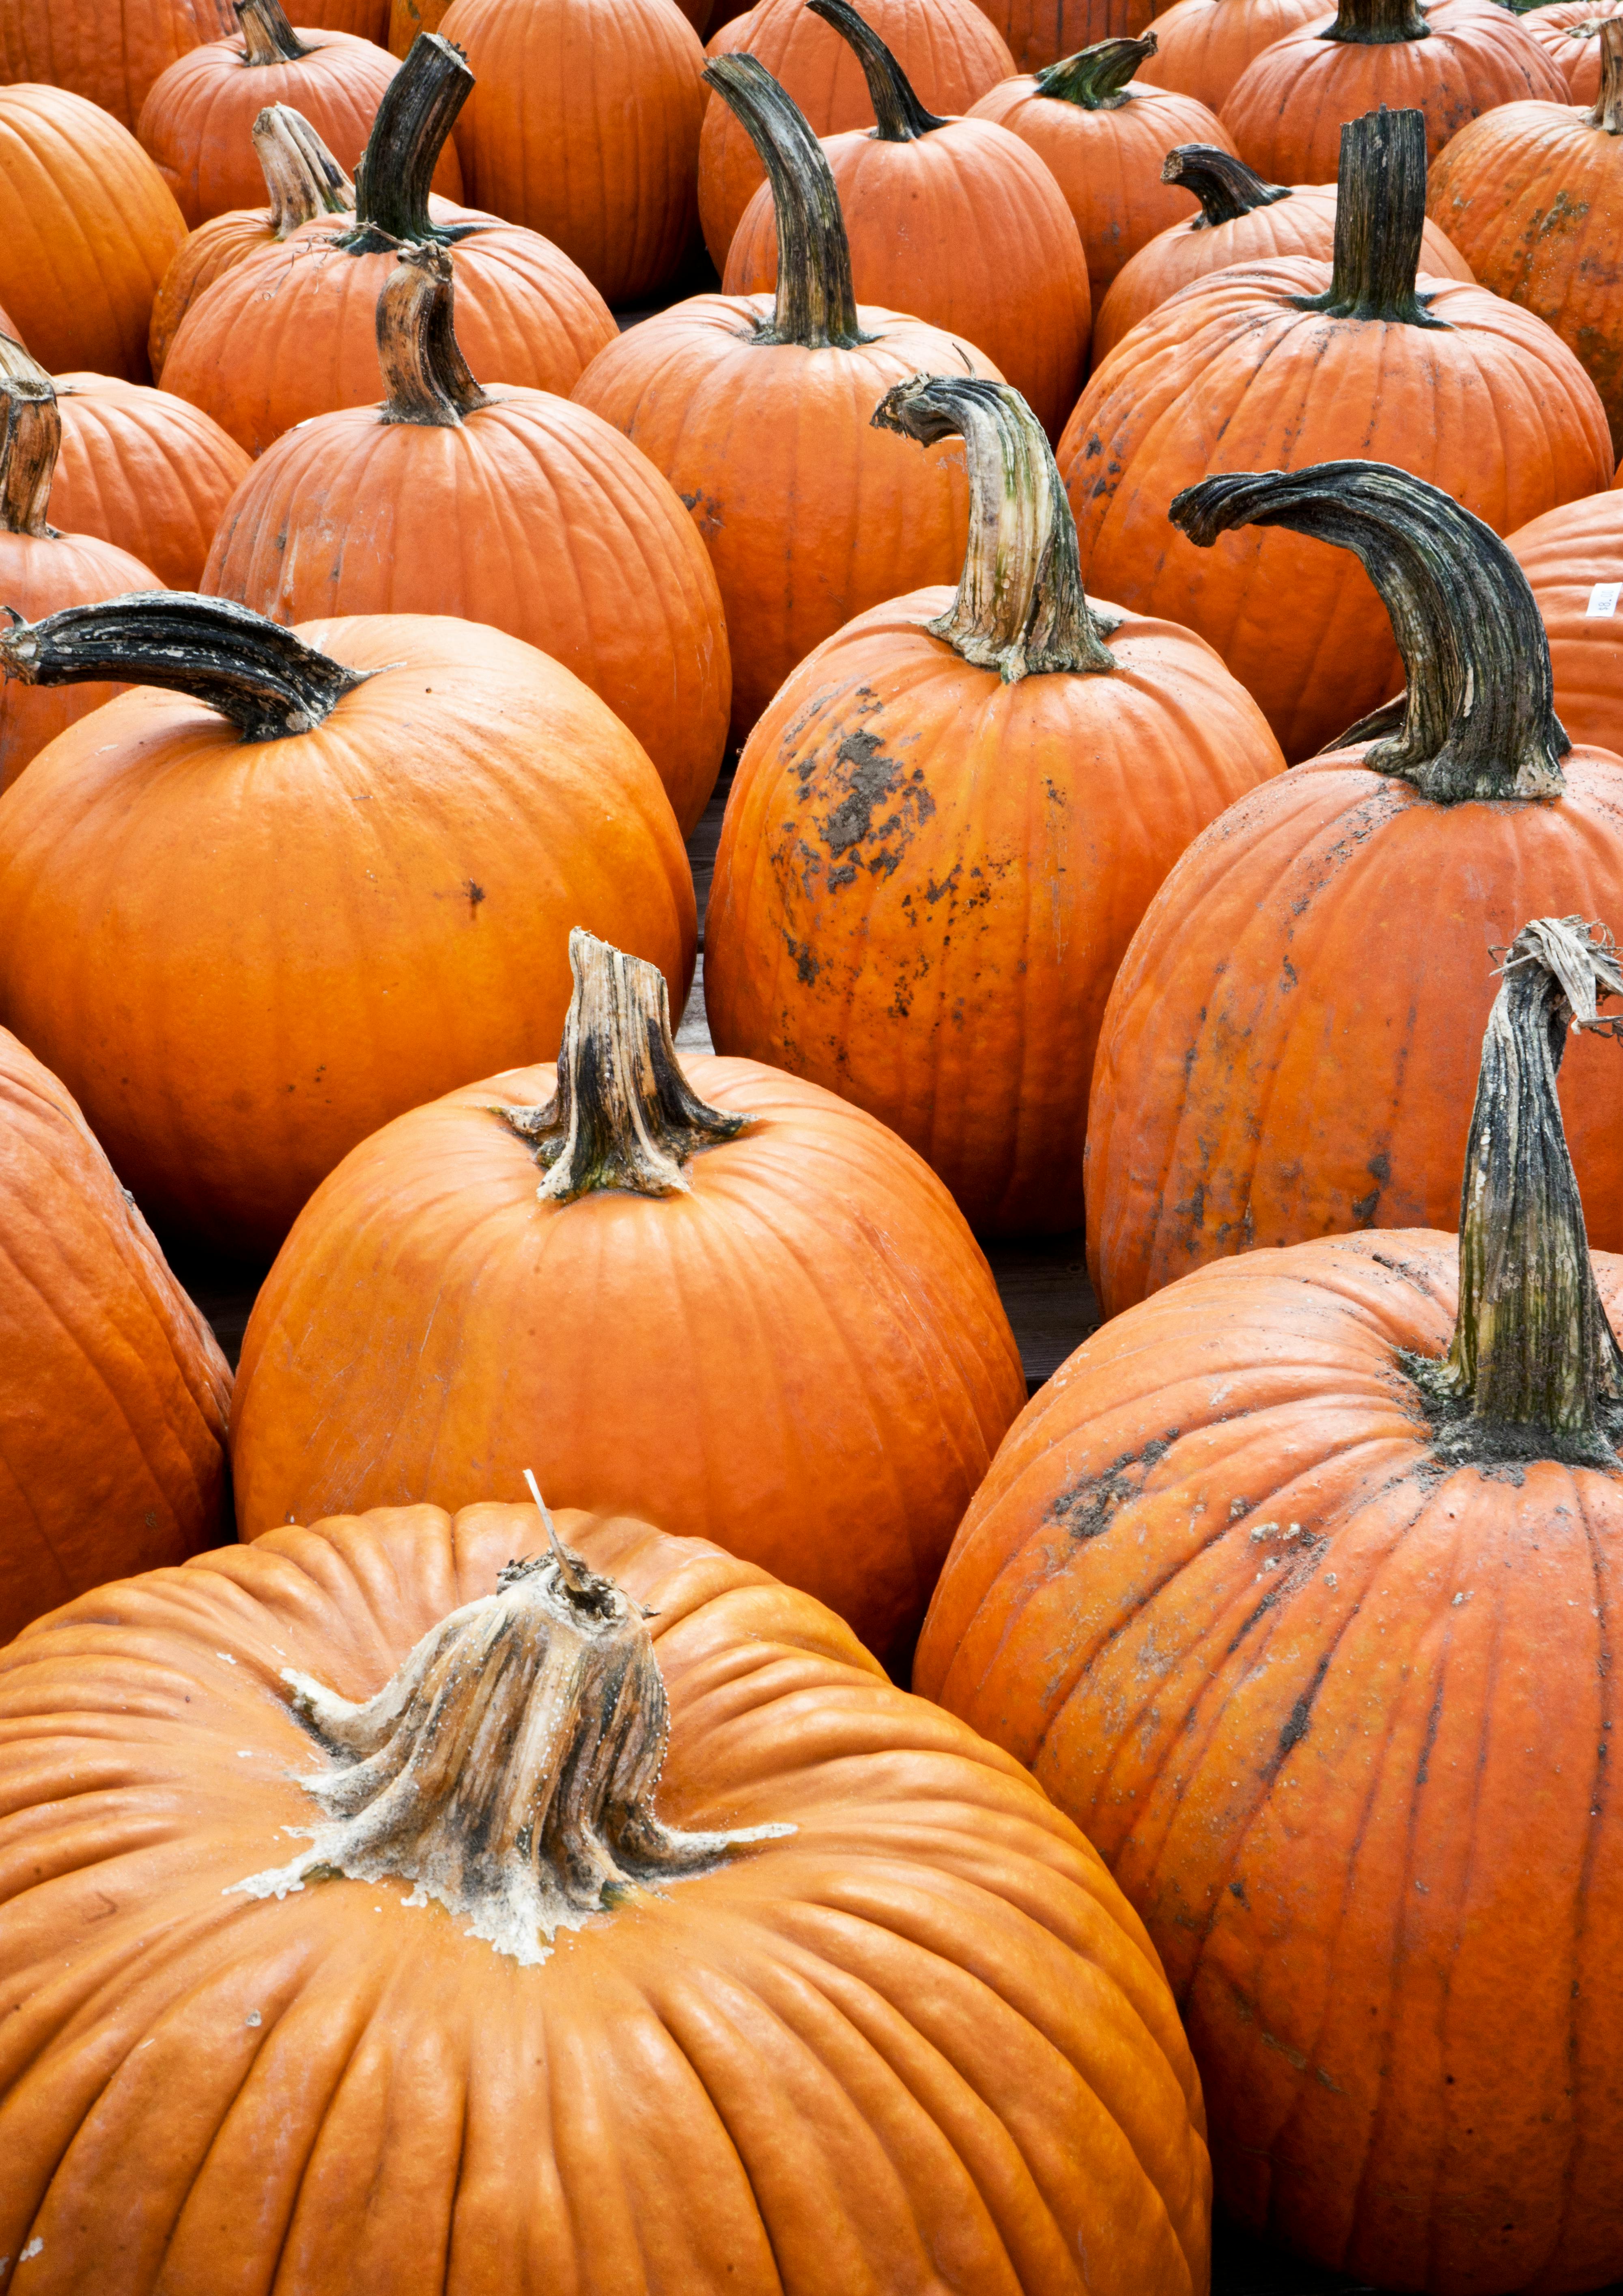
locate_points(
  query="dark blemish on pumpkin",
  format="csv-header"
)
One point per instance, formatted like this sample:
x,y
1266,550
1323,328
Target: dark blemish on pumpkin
x,y
845,876
1094,448
1380,1168
476,894
1287,972
1363,1207
872,777
1298,1718
1237,1888
806,964
1424,1771
933,893
1086,1509
706,511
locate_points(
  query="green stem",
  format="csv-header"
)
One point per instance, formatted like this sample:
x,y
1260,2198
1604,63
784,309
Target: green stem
x,y
1225,187
816,306
416,115
1096,78
901,118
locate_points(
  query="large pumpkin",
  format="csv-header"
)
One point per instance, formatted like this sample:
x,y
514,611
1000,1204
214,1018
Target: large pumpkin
x,y
327,877
1286,362
109,56
144,470
758,410
1202,47
1573,560
711,1282
590,555
949,822
727,1965
292,330
1288,1048
112,1391
955,220
1568,31
1296,1589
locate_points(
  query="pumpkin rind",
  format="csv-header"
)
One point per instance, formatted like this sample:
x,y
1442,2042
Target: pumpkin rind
x,y
1569,33
111,57
1564,554
143,469
1039,32
1203,45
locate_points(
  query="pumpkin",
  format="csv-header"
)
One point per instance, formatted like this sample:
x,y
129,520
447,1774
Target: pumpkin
x,y
367,19
111,56
1294,1589
1282,363
407,18
955,220
584,125
303,181
145,470
1532,194
592,557
947,49
846,2003
1287,1050
87,229
1568,31
596,1254
757,410
942,832
112,1406
1241,220
1202,47
1103,137
1284,112
1039,32
1572,557
41,567
197,121
327,877
291,331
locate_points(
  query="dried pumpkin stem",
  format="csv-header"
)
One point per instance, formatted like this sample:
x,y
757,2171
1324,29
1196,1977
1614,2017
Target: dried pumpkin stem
x,y
302,177
1020,605
425,377
1096,78
1478,717
624,1116
267,681
417,113
1225,187
29,443
1607,111
816,306
1377,23
268,36
1381,221
900,116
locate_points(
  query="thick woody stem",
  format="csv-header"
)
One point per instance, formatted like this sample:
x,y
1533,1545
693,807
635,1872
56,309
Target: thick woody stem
x,y
29,441
302,177
1021,606
816,306
425,377
417,113
1225,187
1096,78
268,36
1607,111
1377,23
1380,218
900,116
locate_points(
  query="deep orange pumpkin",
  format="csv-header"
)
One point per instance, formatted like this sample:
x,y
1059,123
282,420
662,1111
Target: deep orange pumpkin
x,y
142,469
1039,32
1572,557
1202,47
407,18
111,56
1568,31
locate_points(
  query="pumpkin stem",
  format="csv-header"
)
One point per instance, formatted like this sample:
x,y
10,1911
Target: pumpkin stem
x,y
1380,218
268,36
1225,187
901,118
624,1116
816,306
1607,111
1096,78
302,177
1478,717
1534,1370
425,375
1020,605
418,110
1377,23
508,1768
267,681
29,443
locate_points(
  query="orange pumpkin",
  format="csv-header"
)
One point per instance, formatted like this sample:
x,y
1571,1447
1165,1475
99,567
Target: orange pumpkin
x,y
1281,364
1287,1052
250,920
291,331
1039,32
367,19
941,835
87,229
1572,558
497,1247
1568,31
757,413
1202,47
407,18
955,220
145,470
844,2000
947,49
1294,1587
593,558
1103,136
111,56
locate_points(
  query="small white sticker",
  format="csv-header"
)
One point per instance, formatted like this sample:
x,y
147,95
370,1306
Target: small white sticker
x,y
1604,598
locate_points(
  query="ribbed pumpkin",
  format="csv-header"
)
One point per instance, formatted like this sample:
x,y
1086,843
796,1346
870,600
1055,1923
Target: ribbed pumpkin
x,y
846,2003
1573,560
758,411
1295,1589
87,229
197,121
1285,111
291,331
113,1395
1241,220
1103,137
1039,32
1568,31
584,125
706,1280
368,20
304,181
580,545
949,822
953,220
109,56
1285,363
143,469
1288,1049
947,48
325,878
1202,47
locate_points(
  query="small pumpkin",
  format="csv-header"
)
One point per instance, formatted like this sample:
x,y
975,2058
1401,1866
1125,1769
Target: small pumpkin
x,y
325,877
110,56
1568,31
949,822
1287,1052
592,557
1573,560
1202,47
1294,1587
955,220
846,2002
144,470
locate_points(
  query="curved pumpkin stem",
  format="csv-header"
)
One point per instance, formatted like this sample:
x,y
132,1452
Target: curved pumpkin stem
x,y
1020,605
1478,717
1377,23
816,305
408,132
900,116
1096,78
268,682
624,1115
1607,111
268,36
302,177
425,375
1381,221
29,443
1225,187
